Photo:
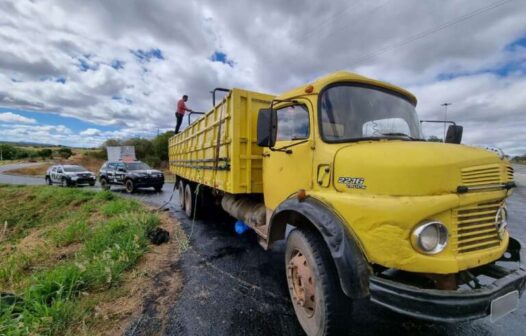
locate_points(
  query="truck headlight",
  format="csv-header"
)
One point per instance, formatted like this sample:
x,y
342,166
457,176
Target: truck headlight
x,y
430,237
74,178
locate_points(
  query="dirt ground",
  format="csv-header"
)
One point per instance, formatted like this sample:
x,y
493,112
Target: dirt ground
x,y
154,281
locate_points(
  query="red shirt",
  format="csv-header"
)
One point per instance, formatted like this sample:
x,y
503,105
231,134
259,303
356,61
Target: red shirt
x,y
181,107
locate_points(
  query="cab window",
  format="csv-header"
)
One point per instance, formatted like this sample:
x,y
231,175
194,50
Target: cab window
x,y
293,123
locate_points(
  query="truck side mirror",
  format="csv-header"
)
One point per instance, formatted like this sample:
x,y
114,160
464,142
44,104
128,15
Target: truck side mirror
x,y
454,134
267,127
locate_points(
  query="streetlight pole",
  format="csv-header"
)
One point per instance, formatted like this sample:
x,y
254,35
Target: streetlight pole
x,y
445,117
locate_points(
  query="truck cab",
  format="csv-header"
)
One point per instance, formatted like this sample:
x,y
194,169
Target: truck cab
x,y
377,212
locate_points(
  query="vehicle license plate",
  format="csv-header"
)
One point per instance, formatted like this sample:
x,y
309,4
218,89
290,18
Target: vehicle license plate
x,y
504,305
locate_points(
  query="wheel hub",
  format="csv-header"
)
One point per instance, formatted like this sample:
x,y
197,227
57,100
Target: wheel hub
x,y
301,283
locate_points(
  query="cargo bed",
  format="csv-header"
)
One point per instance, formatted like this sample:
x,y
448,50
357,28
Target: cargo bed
x,y
219,149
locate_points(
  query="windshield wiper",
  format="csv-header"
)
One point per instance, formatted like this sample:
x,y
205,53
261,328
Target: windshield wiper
x,y
400,134
286,149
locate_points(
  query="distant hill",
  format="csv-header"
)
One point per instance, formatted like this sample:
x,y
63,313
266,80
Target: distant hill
x,y
28,144
38,145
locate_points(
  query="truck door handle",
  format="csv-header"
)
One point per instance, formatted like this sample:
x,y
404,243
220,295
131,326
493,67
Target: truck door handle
x,y
265,154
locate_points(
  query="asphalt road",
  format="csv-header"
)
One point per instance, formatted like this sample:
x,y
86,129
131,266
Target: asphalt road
x,y
233,287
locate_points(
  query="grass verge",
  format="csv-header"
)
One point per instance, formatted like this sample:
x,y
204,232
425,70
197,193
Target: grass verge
x,y
63,252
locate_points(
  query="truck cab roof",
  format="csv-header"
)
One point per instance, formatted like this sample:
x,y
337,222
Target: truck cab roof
x,y
344,76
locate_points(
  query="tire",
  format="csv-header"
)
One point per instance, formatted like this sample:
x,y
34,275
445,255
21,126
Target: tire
x,y
188,200
64,183
180,189
104,184
48,181
130,186
158,188
319,302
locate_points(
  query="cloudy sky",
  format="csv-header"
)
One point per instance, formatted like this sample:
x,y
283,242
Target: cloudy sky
x,y
79,72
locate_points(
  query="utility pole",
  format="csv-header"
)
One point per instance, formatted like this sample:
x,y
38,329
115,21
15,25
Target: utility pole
x,y
445,118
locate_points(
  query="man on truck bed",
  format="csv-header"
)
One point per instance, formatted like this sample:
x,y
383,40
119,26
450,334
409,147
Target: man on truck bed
x,y
179,113
376,211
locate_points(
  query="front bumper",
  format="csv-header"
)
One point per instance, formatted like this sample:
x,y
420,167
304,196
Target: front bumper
x,y
148,181
82,180
452,305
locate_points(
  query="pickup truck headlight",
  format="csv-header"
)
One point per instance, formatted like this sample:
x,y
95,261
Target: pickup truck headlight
x,y
430,237
74,178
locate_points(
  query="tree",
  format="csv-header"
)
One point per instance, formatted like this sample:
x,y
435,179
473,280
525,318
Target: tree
x,y
7,152
434,139
65,152
112,143
160,145
45,153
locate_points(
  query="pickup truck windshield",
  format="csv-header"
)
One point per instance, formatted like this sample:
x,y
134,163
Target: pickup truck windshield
x,y
137,166
354,112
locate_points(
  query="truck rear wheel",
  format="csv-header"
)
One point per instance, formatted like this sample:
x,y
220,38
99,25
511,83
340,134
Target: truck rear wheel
x,y
188,200
180,189
320,305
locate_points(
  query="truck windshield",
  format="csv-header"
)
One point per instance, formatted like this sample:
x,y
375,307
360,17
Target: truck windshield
x,y
137,166
354,112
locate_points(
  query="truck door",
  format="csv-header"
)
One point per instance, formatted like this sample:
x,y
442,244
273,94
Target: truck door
x,y
288,168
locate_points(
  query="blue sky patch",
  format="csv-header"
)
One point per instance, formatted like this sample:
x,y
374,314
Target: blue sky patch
x,y
117,64
123,100
145,56
84,65
520,43
517,66
221,57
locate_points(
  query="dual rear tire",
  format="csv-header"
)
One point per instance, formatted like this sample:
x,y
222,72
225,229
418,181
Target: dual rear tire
x,y
188,199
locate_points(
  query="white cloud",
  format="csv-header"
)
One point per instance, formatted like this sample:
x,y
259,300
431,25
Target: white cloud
x,y
278,46
9,117
90,132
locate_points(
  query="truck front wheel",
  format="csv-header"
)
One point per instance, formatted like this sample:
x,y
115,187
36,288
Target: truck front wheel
x,y
320,305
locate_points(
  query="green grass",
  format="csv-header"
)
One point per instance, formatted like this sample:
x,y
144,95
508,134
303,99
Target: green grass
x,y
109,234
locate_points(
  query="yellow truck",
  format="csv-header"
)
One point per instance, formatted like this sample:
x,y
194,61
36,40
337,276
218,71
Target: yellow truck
x,y
370,210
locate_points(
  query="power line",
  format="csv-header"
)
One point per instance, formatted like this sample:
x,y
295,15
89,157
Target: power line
x,y
332,18
427,32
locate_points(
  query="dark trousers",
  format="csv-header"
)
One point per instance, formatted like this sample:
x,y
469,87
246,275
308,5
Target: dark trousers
x,y
179,118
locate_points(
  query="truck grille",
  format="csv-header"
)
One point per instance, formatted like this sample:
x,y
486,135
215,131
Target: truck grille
x,y
481,175
509,174
476,227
